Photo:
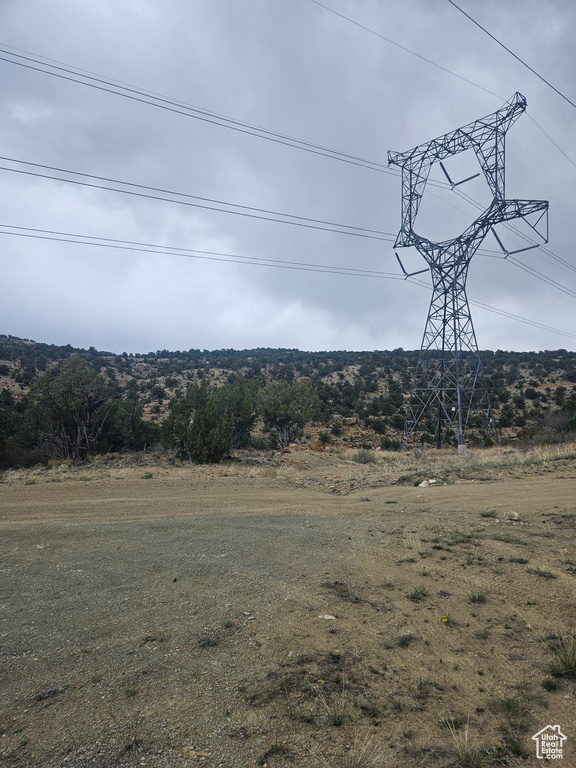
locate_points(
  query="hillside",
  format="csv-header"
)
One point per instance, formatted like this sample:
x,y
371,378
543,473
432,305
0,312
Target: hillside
x,y
362,395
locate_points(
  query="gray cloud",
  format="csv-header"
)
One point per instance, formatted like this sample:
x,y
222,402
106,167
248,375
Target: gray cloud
x,y
300,70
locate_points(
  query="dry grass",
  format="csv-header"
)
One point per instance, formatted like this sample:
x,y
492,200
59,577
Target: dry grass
x,y
425,462
563,648
364,753
466,752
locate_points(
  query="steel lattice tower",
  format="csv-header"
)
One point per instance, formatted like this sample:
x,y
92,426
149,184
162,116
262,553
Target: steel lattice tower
x,y
448,383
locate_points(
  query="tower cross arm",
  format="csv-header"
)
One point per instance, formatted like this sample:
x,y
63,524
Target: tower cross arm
x,y
473,135
501,211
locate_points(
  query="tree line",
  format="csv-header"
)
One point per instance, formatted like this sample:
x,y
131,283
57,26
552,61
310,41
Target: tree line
x,y
72,410
66,404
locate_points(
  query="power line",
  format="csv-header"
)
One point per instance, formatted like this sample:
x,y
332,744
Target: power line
x,y
504,313
542,249
192,253
171,105
449,71
164,250
541,277
404,48
100,83
300,221
187,110
501,44
238,210
550,139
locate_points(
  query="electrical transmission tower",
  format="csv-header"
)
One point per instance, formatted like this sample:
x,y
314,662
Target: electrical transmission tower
x,y
449,384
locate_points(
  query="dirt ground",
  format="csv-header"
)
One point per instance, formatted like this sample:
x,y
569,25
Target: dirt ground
x,y
305,610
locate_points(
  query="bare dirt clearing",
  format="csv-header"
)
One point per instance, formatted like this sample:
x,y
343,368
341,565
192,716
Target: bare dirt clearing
x,y
285,613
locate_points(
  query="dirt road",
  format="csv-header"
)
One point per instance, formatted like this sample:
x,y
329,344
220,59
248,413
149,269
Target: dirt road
x,y
220,617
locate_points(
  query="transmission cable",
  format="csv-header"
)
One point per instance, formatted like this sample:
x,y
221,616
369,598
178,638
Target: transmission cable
x,y
193,253
449,71
561,263
501,44
503,312
403,48
67,72
149,248
243,210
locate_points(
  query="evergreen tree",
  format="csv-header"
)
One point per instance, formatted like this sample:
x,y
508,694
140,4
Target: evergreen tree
x,y
199,426
287,407
68,408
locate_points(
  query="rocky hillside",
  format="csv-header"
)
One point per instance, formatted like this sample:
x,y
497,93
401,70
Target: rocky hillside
x,y
362,394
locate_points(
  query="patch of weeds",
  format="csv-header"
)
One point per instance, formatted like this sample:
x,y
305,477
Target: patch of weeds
x,y
147,476
425,687
543,574
228,624
563,647
515,711
130,691
418,594
451,722
523,686
521,560
206,642
364,456
299,714
482,634
517,718
342,590
366,754
477,597
371,710
336,710
390,501
30,481
507,539
404,639
395,704
512,744
549,684
466,752
458,537
488,513
405,560
364,498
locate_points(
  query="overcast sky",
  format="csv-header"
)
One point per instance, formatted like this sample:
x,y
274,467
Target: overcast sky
x,y
298,69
